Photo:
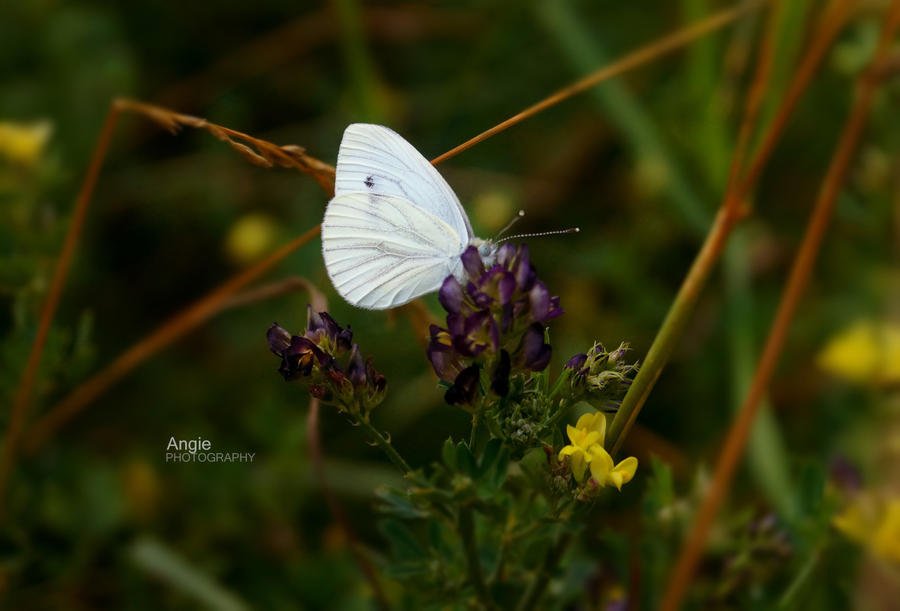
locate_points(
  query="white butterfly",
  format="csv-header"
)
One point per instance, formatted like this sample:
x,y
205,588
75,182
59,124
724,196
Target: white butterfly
x,y
394,229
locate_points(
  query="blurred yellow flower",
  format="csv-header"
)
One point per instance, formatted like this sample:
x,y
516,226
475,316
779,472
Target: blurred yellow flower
x,y
23,143
867,352
142,488
873,523
250,238
586,449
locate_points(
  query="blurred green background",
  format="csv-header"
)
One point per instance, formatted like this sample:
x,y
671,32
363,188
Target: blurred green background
x,y
98,518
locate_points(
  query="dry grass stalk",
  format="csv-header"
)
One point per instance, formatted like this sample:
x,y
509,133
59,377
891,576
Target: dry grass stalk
x,y
798,279
634,59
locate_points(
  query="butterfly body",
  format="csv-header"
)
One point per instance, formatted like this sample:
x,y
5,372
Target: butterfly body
x,y
394,229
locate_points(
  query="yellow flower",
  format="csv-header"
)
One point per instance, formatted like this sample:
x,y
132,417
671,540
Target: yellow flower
x,y
250,238
587,432
867,352
606,473
873,523
22,142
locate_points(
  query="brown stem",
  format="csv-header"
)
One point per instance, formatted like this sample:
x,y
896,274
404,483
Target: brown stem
x,y
634,59
801,271
186,320
730,212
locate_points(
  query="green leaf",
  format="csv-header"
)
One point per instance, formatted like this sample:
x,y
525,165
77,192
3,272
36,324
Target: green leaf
x,y
811,489
465,460
397,504
491,451
501,467
448,453
402,540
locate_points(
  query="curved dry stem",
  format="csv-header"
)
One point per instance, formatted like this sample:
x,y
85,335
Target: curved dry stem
x,y
186,320
22,399
634,59
801,271
730,213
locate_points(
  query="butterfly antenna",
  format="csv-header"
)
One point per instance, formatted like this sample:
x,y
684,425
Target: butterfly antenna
x,y
541,234
514,220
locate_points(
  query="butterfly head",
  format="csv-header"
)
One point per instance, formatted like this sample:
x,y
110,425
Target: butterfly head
x,y
487,249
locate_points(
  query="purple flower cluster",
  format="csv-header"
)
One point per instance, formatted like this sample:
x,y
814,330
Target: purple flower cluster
x,y
325,359
495,323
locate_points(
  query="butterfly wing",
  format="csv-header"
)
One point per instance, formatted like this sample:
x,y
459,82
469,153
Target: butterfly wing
x,y
375,159
382,251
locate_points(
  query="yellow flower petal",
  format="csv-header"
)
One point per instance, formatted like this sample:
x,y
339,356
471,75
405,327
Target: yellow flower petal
x,y
23,143
578,465
567,451
601,464
627,468
866,352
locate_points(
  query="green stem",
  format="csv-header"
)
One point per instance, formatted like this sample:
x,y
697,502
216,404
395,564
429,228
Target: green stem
x,y
536,589
787,599
385,445
476,429
466,529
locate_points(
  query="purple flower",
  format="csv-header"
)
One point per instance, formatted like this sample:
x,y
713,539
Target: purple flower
x,y
534,353
451,294
495,319
500,375
576,363
328,363
464,388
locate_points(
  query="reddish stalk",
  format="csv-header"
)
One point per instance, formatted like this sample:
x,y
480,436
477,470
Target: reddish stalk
x,y
634,59
798,279
22,398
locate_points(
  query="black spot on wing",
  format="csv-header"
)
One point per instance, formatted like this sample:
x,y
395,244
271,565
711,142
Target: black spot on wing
x,y
369,182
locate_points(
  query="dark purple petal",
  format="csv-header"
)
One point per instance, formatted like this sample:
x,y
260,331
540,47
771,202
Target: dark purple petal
x,y
539,300
576,362
464,387
472,262
439,339
440,354
535,353
555,310
451,294
456,324
481,332
506,254
344,339
304,345
524,271
314,322
446,364
481,299
506,288
356,368
846,475
506,317
377,382
279,339
500,375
